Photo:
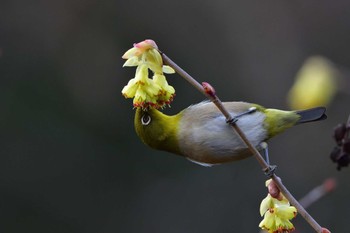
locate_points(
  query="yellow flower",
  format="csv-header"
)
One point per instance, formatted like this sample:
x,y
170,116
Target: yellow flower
x,y
147,92
142,89
166,95
277,214
145,52
315,85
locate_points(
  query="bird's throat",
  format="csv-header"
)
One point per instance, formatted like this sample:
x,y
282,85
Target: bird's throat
x,y
161,133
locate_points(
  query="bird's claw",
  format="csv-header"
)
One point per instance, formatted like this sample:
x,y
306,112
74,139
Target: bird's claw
x,y
233,120
270,170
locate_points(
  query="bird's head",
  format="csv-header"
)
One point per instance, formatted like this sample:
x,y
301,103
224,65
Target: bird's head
x,y
158,130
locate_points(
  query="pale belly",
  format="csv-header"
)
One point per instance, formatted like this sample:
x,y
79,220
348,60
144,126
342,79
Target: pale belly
x,y
213,141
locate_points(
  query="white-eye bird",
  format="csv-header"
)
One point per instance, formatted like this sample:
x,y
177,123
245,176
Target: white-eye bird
x,y
200,132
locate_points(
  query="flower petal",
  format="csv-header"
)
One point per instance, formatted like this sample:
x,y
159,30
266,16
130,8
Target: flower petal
x,y
154,61
266,204
130,89
132,61
142,73
130,53
268,223
283,225
168,69
285,211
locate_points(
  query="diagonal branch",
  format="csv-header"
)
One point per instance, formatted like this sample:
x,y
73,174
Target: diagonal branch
x,y
209,92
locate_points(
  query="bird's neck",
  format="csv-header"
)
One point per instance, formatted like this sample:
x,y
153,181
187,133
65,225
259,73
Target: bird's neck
x,y
168,133
162,134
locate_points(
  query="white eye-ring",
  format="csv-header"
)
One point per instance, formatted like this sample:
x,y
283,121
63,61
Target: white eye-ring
x,y
145,119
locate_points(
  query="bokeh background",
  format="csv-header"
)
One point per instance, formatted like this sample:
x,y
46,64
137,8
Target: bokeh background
x,y
70,160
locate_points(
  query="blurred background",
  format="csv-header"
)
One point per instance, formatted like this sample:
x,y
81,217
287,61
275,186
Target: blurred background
x,y
70,160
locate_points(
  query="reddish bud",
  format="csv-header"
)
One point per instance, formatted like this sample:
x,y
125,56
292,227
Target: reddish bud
x,y
146,44
209,89
274,190
329,184
325,230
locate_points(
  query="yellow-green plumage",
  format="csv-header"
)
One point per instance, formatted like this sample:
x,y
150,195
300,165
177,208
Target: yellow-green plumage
x,y
201,134
277,121
161,132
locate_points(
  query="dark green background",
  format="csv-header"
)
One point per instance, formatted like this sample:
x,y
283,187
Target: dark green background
x,y
70,160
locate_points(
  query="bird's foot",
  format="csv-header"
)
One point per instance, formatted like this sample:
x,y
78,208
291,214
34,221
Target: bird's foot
x,y
234,119
270,170
265,149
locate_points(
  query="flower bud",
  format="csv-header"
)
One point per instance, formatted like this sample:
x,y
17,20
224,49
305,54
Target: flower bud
x,y
343,161
277,212
148,92
335,154
209,89
346,145
339,133
274,190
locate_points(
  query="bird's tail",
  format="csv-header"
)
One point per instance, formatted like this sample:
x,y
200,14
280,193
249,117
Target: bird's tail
x,y
312,114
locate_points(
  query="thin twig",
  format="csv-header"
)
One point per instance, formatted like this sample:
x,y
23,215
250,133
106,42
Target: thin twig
x,y
318,192
266,168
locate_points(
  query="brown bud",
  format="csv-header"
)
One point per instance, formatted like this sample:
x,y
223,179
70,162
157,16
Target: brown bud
x,y
343,161
209,89
274,191
339,133
346,145
335,154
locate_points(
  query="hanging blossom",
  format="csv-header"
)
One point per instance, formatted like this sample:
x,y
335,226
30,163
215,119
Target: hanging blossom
x,y
277,212
316,84
148,92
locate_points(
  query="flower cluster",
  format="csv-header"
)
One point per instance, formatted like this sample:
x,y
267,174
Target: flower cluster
x,y
315,85
341,152
277,211
148,92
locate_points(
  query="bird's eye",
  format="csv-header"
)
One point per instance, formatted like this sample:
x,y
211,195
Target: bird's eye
x,y
145,119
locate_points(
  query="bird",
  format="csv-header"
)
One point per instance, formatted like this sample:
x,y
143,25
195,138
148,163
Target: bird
x,y
201,134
